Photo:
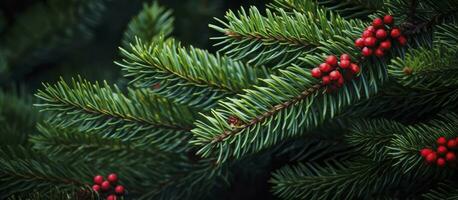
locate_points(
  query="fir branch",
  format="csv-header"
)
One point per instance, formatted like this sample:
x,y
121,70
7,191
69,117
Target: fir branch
x,y
426,69
446,190
22,169
268,112
91,107
187,75
278,40
153,22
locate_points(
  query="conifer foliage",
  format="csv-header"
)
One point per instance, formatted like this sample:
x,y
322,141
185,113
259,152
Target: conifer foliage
x,y
347,99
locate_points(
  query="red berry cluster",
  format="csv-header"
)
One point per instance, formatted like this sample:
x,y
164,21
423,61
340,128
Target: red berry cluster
x,y
334,73
108,187
376,39
445,152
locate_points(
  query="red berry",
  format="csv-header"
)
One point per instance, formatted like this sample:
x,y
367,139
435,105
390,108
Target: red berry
x,y
385,45
326,80
331,60
113,178
379,52
441,140
430,158
325,67
441,150
395,32
388,19
378,22
112,197
98,179
354,68
359,42
96,188
367,34
425,152
370,28
366,51
451,144
450,157
340,82
370,41
345,57
119,190
335,75
380,34
402,40
344,63
316,72
440,162
105,185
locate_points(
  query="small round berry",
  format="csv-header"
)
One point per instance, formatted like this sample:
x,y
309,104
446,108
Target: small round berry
x,y
378,22
395,32
451,144
440,162
441,150
450,156
367,34
113,178
380,34
344,64
379,52
340,82
424,152
316,72
385,45
388,19
430,158
325,67
335,75
331,60
345,57
96,188
370,28
325,80
402,40
119,190
366,51
441,140
98,179
354,68
359,42
105,185
112,197
370,41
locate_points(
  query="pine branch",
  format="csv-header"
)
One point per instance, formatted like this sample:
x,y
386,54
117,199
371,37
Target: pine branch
x,y
187,75
278,40
140,114
22,169
426,69
443,191
268,112
151,23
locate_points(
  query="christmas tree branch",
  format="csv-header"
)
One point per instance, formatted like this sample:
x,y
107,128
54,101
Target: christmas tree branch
x,y
153,22
266,112
187,75
88,106
278,40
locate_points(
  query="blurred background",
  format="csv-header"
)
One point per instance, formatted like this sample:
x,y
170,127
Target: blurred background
x,y
34,50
